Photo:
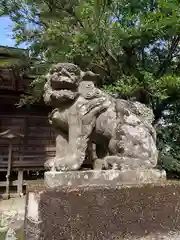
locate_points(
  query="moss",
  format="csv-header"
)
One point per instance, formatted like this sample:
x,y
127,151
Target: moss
x,y
12,57
10,62
2,235
13,52
19,234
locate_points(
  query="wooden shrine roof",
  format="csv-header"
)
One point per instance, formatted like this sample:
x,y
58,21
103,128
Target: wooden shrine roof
x,y
13,65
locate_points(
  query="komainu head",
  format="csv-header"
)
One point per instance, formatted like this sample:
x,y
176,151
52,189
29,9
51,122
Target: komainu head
x,y
62,84
64,76
63,81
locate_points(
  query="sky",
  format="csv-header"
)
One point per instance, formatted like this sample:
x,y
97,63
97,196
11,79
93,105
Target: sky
x,y
6,33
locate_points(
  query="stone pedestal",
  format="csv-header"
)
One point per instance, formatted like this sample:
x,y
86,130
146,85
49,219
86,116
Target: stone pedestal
x,y
103,206
104,177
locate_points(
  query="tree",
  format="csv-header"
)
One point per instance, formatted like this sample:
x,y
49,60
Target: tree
x,y
133,44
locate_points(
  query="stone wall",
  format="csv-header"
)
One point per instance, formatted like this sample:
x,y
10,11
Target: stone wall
x,y
107,212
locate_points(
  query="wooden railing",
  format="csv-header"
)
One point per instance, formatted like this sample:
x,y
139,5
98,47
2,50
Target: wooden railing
x,y
26,162
21,164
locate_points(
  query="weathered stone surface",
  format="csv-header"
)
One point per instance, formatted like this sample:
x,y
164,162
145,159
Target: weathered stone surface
x,y
149,211
84,115
32,219
103,177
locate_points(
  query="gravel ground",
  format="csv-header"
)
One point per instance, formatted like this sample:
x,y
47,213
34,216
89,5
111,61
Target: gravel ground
x,y
12,218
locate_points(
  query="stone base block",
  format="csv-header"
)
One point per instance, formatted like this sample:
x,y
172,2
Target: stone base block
x,y
104,177
149,211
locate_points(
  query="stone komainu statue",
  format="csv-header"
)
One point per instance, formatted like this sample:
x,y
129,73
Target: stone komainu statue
x,y
84,115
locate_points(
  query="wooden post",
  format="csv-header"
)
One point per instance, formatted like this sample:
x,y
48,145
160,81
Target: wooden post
x,y
20,183
9,168
10,136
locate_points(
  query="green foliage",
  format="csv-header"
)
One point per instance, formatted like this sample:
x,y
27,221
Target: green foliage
x,y
169,139
133,44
